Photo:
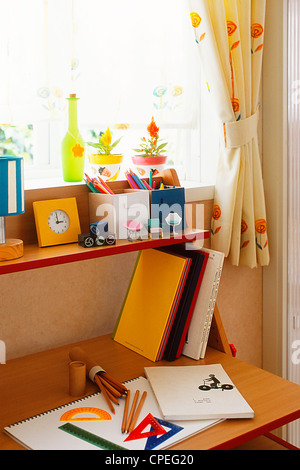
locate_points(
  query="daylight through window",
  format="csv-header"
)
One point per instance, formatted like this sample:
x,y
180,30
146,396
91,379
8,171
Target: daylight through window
x,y
126,61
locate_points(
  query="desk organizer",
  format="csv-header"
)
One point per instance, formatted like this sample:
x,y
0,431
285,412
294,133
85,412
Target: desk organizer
x,y
119,208
168,205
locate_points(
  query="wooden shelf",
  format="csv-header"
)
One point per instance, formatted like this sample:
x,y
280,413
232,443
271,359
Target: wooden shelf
x,y
35,257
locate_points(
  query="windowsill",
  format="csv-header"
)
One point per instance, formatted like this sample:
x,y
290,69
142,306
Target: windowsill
x,y
195,191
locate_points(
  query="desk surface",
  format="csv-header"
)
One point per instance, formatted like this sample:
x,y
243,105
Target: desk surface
x,y
39,382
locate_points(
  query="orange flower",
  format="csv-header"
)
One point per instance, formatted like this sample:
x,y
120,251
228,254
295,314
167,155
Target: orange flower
x,y
196,19
153,129
235,104
216,212
151,147
261,226
231,28
244,226
256,30
78,151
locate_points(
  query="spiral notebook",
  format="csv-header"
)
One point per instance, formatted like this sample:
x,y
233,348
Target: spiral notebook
x,y
86,424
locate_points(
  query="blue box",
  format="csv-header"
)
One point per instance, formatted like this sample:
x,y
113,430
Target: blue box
x,y
168,205
99,228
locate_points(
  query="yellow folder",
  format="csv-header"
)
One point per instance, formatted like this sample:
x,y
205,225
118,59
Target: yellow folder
x,y
151,301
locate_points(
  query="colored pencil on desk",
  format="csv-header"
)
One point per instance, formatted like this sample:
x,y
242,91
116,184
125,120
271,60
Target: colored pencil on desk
x,y
150,178
136,415
125,412
132,410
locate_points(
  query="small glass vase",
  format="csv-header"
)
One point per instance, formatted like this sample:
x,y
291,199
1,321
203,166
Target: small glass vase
x,y
73,151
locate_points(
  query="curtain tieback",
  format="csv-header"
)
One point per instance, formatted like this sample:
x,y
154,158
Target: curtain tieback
x,y
239,133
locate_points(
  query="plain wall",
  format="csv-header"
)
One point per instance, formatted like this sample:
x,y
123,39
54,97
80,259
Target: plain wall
x,y
48,307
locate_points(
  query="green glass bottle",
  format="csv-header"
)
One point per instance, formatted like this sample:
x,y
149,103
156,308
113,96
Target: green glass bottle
x,y
73,146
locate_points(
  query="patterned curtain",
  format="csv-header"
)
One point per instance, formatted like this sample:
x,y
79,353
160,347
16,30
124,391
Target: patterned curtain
x,y
229,36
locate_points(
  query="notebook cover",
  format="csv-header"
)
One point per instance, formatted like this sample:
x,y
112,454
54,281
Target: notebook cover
x,y
204,305
151,301
197,392
187,302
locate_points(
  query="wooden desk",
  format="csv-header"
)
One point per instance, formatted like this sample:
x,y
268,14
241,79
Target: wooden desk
x,y
39,382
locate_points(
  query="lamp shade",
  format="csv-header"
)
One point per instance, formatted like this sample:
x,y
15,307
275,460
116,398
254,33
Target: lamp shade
x,y
12,200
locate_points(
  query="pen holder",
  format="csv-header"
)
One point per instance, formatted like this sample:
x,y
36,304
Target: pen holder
x,y
77,378
168,206
117,209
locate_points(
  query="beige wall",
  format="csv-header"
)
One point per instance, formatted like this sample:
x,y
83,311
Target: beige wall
x,y
49,307
57,305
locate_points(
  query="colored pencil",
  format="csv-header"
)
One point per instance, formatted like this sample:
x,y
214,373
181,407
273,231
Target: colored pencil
x,y
138,181
91,187
132,184
143,186
136,415
146,184
125,412
132,410
104,393
116,384
99,186
111,396
105,185
116,393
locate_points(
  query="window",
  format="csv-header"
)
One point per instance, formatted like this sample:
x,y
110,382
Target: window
x,y
126,60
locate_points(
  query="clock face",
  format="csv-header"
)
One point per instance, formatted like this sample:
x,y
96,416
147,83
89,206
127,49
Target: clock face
x,y
58,221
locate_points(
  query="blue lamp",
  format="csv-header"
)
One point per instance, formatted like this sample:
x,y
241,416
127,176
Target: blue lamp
x,y
12,202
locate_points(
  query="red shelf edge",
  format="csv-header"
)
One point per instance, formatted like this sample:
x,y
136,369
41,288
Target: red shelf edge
x,y
93,253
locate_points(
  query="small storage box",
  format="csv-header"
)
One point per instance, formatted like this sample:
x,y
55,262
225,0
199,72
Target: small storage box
x,y
119,208
168,205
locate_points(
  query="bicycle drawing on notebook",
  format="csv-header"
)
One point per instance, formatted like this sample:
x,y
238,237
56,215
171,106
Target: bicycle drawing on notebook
x,y
212,383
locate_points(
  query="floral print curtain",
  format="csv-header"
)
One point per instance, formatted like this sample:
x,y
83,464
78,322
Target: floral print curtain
x,y
229,35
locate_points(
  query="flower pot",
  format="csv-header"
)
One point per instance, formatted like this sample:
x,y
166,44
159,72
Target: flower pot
x,y
143,165
106,166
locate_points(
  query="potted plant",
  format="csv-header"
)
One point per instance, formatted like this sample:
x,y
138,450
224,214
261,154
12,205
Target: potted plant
x,y
151,152
104,163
